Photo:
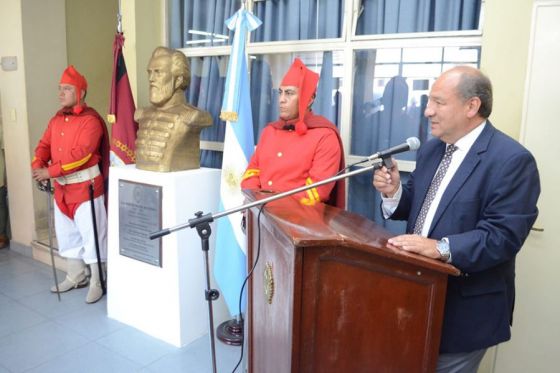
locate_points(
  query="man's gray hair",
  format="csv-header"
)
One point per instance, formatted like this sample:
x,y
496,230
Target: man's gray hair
x,y
474,83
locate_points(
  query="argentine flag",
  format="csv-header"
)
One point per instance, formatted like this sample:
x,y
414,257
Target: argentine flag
x,y
231,244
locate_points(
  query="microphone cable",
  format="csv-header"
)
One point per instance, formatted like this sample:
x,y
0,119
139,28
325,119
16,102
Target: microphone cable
x,y
245,282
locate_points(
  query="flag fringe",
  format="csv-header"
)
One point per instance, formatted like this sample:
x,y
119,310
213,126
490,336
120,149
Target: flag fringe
x,y
125,149
230,116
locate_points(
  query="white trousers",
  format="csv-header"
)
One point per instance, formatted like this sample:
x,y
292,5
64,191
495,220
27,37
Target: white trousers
x,y
76,238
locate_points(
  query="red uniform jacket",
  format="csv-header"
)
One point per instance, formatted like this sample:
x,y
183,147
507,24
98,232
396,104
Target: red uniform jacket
x,y
284,160
72,143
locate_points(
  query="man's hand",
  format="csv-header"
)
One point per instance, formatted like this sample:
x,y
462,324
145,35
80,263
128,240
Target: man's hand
x,y
387,181
414,243
40,174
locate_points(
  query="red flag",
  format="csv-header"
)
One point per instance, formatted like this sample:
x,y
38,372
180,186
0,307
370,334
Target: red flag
x,y
121,110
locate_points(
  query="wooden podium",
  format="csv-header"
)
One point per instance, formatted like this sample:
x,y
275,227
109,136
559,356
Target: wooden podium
x,y
328,296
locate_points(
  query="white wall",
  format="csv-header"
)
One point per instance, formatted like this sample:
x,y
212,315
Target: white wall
x,y
33,31
91,27
505,45
14,113
144,31
45,59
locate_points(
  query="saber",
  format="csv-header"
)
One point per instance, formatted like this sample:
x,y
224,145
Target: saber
x,y
97,253
47,188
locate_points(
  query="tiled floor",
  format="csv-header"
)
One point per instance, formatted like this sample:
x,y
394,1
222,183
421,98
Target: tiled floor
x,y
39,334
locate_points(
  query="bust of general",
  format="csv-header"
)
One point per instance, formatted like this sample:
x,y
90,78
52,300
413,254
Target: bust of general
x,y
168,136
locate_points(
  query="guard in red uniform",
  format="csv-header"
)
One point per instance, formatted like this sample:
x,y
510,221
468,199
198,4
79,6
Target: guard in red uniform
x,y
300,148
74,151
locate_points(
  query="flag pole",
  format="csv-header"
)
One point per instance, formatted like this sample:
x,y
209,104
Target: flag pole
x,y
230,260
119,19
121,105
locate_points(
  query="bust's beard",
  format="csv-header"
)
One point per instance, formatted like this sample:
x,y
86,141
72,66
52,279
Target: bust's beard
x,y
159,96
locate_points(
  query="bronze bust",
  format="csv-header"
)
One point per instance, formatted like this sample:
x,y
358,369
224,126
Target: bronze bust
x,y
169,130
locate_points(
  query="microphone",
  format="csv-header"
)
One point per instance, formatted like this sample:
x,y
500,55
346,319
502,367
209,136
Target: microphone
x,y
412,143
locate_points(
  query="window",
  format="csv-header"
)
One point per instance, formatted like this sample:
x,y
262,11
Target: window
x,y
298,20
267,70
409,16
200,23
208,76
377,60
390,93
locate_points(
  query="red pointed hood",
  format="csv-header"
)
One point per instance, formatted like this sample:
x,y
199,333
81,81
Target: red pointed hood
x,y
73,77
306,80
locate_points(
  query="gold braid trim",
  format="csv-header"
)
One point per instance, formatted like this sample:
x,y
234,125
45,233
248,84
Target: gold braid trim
x,y
76,164
312,193
250,173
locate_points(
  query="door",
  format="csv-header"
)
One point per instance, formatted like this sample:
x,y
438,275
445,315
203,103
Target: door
x,y
534,346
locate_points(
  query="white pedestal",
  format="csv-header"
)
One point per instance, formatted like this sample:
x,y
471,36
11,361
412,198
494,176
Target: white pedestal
x,y
165,302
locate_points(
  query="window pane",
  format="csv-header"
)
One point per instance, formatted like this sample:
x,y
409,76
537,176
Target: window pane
x,y
421,54
211,158
200,23
206,92
389,98
462,55
388,55
208,80
267,72
363,199
390,17
298,20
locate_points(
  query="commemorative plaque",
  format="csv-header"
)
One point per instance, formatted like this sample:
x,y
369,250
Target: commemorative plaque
x,y
139,215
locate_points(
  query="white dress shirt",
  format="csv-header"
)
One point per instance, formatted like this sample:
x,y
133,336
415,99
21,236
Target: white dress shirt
x,y
463,145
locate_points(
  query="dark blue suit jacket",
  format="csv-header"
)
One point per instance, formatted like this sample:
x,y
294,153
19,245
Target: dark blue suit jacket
x,y
486,213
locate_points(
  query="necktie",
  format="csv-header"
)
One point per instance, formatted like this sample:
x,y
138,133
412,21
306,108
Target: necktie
x,y
442,169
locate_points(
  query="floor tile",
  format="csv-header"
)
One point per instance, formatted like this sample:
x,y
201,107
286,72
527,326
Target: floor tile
x,y
24,284
15,317
179,361
197,357
136,345
91,321
226,356
11,265
4,299
4,254
47,304
38,334
91,358
36,345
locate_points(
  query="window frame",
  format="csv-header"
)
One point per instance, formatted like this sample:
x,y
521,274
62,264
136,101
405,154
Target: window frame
x,y
347,43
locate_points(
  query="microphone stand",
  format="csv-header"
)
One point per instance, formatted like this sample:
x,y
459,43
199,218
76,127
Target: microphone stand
x,y
202,224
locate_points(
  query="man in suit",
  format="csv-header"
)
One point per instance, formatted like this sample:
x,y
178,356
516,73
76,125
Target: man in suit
x,y
470,202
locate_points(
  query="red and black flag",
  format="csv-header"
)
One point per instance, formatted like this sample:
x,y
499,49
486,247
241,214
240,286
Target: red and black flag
x,y
121,110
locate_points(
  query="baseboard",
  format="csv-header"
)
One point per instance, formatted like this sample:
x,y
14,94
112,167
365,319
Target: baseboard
x,y
21,249
41,252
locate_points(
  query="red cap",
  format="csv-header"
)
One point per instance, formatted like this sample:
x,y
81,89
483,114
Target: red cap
x,y
73,77
306,80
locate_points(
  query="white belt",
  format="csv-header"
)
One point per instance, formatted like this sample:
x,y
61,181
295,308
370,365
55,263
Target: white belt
x,y
79,176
